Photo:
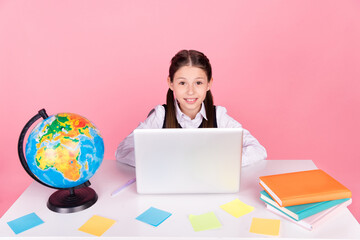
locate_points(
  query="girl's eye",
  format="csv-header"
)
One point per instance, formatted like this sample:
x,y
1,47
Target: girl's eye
x,y
199,83
182,83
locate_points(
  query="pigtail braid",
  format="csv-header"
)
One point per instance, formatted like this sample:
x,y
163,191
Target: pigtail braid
x,y
170,118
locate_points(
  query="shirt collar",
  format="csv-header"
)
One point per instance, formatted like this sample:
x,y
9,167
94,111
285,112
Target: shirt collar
x,y
180,114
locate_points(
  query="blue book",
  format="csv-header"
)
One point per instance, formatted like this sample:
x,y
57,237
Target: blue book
x,y
298,212
311,222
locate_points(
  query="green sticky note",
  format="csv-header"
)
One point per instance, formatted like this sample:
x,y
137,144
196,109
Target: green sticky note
x,y
237,208
205,221
265,226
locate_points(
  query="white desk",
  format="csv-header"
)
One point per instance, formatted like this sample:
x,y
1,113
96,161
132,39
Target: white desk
x,y
127,205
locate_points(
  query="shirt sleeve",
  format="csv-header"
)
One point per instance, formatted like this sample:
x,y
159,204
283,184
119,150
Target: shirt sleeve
x,y
125,151
252,150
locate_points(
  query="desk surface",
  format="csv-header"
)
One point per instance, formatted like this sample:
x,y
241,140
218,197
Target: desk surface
x,y
127,205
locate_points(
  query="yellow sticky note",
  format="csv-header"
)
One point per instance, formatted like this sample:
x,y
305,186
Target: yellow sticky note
x,y
97,225
237,208
205,221
265,226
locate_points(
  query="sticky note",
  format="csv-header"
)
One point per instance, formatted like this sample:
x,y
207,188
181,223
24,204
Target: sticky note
x,y
205,221
153,216
97,225
237,208
24,223
265,226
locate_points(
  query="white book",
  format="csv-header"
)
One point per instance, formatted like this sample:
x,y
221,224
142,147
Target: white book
x,y
311,222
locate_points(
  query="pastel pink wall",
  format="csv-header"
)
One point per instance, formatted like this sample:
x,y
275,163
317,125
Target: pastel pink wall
x,y
289,71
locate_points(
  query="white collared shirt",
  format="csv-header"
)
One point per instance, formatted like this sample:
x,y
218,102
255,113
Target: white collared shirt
x,y
252,150
185,121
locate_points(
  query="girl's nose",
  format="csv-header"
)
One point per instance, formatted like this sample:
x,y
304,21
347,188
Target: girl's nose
x,y
190,89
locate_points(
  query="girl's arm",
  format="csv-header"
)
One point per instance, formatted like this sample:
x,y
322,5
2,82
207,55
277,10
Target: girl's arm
x,y
125,151
252,150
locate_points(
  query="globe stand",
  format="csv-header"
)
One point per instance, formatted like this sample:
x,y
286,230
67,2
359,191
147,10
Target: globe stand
x,y
72,200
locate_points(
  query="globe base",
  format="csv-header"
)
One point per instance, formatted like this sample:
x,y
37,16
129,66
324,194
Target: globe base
x,y
73,200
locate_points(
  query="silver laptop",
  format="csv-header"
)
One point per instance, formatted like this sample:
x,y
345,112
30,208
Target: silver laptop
x,y
201,160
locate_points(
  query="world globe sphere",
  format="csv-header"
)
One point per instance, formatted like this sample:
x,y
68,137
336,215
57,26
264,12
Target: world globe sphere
x,y
64,150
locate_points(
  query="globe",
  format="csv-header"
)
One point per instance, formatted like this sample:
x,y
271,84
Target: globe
x,y
63,151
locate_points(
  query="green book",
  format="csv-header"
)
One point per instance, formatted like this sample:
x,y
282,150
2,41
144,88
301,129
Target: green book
x,y
302,211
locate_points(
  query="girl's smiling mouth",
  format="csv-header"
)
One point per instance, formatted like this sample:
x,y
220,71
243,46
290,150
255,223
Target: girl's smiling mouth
x,y
190,100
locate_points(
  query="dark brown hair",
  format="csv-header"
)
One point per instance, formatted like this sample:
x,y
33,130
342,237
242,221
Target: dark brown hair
x,y
195,59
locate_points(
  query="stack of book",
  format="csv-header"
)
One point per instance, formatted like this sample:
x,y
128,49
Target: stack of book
x,y
306,198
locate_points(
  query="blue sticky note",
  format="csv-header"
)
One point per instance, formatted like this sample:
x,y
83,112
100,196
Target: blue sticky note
x,y
153,216
24,223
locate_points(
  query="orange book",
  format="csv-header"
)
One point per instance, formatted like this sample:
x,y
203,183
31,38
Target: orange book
x,y
303,187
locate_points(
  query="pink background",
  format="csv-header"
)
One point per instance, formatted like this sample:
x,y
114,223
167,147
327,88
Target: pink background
x,y
288,71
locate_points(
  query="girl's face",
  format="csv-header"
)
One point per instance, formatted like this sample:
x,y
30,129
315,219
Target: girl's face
x,y
190,85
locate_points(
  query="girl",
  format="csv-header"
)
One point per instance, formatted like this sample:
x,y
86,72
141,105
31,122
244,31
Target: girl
x,y
190,80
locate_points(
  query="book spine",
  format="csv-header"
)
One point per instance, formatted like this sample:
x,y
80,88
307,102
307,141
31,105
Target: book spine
x,y
321,207
315,198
